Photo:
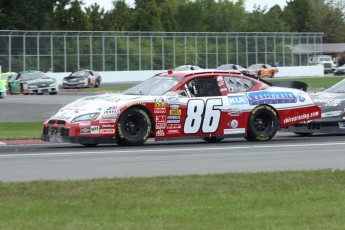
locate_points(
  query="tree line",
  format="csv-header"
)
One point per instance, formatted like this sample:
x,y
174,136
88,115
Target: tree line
x,y
326,16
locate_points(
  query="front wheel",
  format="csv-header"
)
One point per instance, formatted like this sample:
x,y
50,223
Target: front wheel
x,y
272,75
262,124
133,127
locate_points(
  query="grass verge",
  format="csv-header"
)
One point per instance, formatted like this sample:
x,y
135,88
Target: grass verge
x,y
20,130
279,200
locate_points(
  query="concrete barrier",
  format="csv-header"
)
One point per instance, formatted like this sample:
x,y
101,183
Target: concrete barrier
x,y
135,76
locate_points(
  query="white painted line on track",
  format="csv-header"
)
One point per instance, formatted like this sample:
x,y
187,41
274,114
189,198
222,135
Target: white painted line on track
x,y
48,154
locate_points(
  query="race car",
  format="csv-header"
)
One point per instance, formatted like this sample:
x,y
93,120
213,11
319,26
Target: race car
x,y
32,82
232,67
5,76
82,79
263,70
332,103
340,71
209,105
2,90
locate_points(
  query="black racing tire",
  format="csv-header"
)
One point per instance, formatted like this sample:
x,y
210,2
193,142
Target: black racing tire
x,y
133,127
97,83
259,74
213,139
303,134
272,75
53,93
263,124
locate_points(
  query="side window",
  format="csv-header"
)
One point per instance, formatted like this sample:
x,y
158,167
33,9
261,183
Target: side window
x,y
202,87
238,84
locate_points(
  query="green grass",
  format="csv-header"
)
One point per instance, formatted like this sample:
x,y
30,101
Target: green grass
x,y
280,200
20,130
314,83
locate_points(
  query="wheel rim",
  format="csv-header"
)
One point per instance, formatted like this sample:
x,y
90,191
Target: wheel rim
x,y
262,123
132,126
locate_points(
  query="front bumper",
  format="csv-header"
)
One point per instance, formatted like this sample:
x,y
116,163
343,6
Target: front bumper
x,y
59,131
41,90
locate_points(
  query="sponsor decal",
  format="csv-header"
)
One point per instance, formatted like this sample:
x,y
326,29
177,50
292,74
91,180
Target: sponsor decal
x,y
107,131
301,97
112,107
160,133
173,121
332,113
234,131
85,130
110,116
329,102
301,117
161,118
234,124
160,110
341,125
160,125
94,129
174,126
174,117
113,111
237,99
104,121
172,100
160,104
235,112
258,98
223,89
108,126
174,106
173,131
175,111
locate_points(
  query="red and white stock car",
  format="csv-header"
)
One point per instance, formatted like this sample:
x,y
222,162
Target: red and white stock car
x,y
210,105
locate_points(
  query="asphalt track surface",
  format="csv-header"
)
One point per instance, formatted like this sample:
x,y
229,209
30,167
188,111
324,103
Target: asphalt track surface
x,y
286,151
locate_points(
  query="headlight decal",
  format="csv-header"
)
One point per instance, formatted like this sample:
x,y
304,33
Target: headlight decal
x,y
86,117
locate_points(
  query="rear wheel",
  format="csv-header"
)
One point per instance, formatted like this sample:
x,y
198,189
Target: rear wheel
x,y
133,127
97,83
262,124
272,75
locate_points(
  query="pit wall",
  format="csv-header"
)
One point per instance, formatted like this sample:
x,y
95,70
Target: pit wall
x,y
135,76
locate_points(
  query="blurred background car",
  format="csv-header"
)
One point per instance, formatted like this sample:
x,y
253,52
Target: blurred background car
x,y
2,89
263,70
31,82
232,67
187,68
339,71
5,76
82,79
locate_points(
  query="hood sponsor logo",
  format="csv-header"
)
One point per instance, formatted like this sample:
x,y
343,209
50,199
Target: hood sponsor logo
x,y
109,116
173,121
107,131
112,111
160,133
85,130
258,98
105,121
174,106
160,110
174,126
238,100
235,112
161,118
94,129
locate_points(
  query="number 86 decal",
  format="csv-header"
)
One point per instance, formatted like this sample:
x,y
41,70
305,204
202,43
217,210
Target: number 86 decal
x,y
199,115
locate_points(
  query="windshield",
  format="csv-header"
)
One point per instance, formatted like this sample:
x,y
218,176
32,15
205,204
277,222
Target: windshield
x,y
33,76
337,88
79,74
155,86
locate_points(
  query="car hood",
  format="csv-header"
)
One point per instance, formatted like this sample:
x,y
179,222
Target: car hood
x,y
107,105
332,104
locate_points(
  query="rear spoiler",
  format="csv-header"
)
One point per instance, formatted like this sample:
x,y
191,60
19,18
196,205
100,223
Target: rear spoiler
x,y
287,84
